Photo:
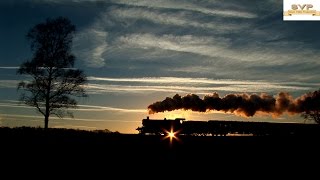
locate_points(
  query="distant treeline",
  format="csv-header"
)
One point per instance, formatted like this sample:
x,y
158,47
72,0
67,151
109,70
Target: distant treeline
x,y
53,135
26,129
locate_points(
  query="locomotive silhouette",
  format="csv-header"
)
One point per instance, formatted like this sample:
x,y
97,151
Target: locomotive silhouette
x,y
223,128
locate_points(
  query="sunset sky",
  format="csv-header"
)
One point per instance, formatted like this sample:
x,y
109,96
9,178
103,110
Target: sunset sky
x,y
137,52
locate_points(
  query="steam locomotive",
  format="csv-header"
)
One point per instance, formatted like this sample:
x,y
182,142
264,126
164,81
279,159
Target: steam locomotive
x,y
223,128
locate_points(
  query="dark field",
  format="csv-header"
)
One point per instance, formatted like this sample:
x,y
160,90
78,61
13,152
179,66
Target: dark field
x,y
74,147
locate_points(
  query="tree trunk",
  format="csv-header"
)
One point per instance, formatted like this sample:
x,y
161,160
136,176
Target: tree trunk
x,y
46,116
46,121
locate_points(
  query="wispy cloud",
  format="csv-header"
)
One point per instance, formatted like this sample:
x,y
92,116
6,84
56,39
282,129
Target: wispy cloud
x,y
204,7
107,35
91,44
9,83
80,107
181,85
189,85
9,67
104,108
215,47
69,119
194,81
207,46
186,5
11,105
174,18
121,34
97,89
98,85
63,1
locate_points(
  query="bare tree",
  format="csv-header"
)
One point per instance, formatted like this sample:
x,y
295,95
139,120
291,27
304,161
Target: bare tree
x,y
312,107
54,81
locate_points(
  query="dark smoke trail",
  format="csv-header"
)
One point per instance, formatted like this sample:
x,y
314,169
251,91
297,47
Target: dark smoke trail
x,y
242,104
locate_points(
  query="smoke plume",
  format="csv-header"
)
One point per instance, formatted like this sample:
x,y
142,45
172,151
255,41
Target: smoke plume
x,y
241,104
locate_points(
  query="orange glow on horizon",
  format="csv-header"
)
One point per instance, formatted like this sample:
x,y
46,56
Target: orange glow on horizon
x,y
173,114
187,114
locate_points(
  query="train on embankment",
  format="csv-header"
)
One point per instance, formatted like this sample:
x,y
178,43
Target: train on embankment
x,y
180,126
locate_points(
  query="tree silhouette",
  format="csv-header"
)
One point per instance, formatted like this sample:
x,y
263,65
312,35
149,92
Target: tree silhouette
x,y
54,82
312,107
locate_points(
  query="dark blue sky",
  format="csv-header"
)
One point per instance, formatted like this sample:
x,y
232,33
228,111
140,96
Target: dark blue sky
x,y
136,52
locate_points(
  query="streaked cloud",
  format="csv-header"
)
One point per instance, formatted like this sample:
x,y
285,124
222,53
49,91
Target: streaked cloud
x,y
121,34
98,85
188,6
80,107
9,83
217,48
188,85
186,80
173,18
186,43
104,108
90,45
68,119
98,89
113,32
9,67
